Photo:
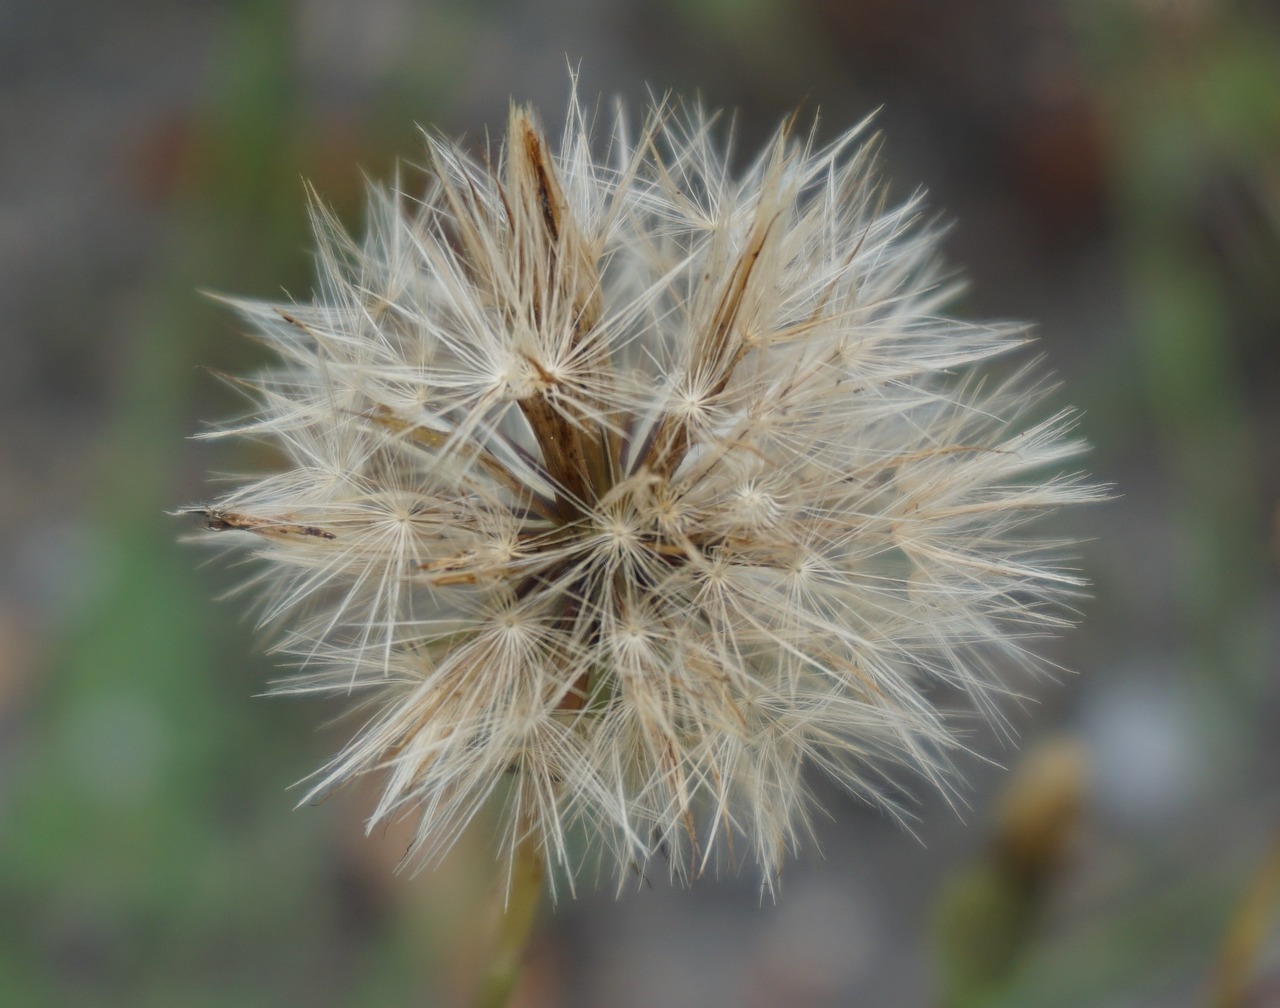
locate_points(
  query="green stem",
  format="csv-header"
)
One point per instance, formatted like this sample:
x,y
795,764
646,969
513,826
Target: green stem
x,y
517,906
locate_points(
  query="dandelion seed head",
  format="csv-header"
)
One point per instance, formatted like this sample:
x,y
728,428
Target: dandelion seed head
x,y
624,487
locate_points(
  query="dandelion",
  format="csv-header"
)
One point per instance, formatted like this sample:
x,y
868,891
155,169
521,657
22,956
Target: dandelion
x,y
623,486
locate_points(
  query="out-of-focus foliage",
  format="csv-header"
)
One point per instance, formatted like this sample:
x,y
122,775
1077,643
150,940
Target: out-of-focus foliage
x,y
1113,169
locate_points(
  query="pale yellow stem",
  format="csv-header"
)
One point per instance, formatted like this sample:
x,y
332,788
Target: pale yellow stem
x,y
516,908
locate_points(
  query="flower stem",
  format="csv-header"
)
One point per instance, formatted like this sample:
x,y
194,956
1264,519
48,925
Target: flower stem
x,y
517,906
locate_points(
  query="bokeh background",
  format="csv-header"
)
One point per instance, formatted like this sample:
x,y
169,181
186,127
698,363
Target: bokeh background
x,y
1113,171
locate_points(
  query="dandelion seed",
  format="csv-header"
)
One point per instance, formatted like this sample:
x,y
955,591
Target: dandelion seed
x,y
626,486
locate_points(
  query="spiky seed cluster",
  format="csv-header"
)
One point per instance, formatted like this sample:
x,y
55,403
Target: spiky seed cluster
x,y
627,487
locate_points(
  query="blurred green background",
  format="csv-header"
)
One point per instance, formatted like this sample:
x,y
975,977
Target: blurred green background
x,y
1113,171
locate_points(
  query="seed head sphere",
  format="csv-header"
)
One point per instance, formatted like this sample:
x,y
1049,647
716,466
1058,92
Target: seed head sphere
x,y
623,485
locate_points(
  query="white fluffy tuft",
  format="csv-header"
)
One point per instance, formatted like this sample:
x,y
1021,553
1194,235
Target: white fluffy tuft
x,y
627,486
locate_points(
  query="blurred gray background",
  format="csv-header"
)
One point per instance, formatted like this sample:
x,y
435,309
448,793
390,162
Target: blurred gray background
x,y
1112,168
